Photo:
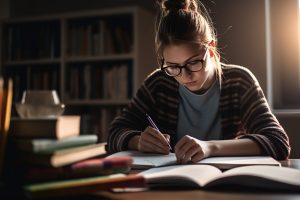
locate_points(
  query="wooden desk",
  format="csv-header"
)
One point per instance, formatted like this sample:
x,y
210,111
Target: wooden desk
x,y
214,194
222,194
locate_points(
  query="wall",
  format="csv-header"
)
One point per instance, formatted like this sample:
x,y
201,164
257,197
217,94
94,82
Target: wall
x,y
38,7
4,9
240,25
241,29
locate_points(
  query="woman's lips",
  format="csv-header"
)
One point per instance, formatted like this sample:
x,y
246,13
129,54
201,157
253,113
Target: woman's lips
x,y
190,83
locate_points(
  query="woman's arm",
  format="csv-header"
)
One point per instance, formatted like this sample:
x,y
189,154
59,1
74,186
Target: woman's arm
x,y
235,147
191,149
132,121
254,118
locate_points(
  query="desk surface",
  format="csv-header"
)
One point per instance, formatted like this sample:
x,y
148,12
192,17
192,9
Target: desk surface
x,y
226,194
213,194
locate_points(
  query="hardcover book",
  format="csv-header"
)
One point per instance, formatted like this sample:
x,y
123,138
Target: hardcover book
x,y
85,168
64,157
83,186
50,145
58,127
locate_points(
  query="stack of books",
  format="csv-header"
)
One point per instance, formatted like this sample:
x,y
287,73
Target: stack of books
x,y
53,142
56,160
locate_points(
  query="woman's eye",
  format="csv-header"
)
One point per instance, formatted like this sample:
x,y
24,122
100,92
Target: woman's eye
x,y
195,62
173,67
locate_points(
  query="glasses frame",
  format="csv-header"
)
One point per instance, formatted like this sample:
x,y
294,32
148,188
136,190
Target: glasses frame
x,y
184,66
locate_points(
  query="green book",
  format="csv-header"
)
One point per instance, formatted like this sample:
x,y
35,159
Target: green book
x,y
63,157
51,145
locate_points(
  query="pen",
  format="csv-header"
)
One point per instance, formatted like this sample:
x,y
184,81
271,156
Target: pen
x,y
154,126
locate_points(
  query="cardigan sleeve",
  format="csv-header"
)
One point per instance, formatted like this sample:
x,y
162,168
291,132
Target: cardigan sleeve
x,y
132,120
259,123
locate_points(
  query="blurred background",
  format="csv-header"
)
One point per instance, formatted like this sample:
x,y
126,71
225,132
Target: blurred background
x,y
262,35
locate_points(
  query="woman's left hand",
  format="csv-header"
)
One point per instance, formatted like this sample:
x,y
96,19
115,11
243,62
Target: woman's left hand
x,y
191,149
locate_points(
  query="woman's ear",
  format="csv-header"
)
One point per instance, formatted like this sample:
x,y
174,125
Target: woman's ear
x,y
212,46
213,51
213,43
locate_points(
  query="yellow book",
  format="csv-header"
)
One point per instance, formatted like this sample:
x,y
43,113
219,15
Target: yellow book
x,y
6,97
83,186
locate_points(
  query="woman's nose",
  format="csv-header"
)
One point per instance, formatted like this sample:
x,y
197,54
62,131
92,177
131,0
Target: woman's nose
x,y
185,73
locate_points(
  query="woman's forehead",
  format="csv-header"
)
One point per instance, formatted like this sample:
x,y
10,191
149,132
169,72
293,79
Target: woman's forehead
x,y
178,52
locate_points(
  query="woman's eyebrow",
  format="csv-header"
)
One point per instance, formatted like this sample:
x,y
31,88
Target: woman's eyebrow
x,y
184,61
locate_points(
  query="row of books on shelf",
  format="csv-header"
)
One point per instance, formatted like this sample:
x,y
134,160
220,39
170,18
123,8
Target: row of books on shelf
x,y
33,41
91,82
98,38
37,80
56,160
98,124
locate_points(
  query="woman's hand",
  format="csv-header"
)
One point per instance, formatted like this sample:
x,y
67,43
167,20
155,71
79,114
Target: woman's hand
x,y
191,149
151,141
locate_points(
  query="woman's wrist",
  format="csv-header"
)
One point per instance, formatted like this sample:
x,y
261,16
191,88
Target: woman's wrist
x,y
212,148
133,142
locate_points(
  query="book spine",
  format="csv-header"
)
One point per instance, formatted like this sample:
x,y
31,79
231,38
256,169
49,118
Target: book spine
x,y
83,186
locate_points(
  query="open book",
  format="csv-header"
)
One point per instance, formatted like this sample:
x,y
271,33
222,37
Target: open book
x,y
206,176
149,160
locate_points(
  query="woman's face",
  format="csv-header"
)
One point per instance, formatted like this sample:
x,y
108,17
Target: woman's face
x,y
180,54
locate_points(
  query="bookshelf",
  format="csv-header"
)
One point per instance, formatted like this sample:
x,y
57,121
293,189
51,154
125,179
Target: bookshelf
x,y
96,60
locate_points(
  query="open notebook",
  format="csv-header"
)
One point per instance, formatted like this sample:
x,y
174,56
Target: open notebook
x,y
149,160
207,176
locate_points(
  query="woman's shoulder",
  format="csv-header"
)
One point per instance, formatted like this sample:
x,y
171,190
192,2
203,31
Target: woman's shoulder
x,y
231,71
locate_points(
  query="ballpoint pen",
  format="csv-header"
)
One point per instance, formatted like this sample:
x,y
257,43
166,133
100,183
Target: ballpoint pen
x,y
154,126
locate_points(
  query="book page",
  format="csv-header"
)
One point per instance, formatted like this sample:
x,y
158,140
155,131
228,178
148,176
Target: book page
x,y
181,175
238,161
147,160
270,177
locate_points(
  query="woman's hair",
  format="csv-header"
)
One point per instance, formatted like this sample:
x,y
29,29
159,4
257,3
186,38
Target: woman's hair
x,y
185,21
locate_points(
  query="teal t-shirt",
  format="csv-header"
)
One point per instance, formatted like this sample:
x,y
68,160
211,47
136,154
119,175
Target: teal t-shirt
x,y
199,114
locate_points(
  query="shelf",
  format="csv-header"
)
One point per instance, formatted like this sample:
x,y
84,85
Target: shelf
x,y
100,58
97,102
33,62
96,60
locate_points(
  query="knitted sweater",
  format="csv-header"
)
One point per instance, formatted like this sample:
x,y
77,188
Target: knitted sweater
x,y
244,111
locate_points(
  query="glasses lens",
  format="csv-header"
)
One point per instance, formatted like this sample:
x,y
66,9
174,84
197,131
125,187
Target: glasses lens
x,y
172,70
194,66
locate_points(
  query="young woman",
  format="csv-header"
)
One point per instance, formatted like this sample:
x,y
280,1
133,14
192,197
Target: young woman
x,y
201,107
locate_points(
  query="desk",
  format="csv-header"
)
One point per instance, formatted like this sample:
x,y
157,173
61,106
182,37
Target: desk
x,y
244,194
216,194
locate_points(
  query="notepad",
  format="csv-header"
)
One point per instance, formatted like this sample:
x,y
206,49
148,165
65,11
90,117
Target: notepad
x,y
149,160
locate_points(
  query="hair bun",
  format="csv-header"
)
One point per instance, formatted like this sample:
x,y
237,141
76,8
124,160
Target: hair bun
x,y
175,4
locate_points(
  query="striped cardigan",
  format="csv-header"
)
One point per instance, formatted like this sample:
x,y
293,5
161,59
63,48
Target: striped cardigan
x,y
243,107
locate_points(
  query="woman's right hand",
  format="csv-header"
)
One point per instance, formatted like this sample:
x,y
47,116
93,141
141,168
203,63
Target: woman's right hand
x,y
151,141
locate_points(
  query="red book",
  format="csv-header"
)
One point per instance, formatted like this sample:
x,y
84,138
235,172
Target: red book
x,y
86,168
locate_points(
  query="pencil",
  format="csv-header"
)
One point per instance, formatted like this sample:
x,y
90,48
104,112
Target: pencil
x,y
154,126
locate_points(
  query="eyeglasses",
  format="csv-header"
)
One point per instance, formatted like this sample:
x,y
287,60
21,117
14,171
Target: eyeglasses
x,y
191,66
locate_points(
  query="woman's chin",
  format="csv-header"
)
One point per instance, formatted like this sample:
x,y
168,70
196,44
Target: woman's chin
x,y
193,88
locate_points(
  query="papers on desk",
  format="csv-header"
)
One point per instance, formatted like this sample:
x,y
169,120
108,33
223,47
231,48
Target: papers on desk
x,y
149,160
